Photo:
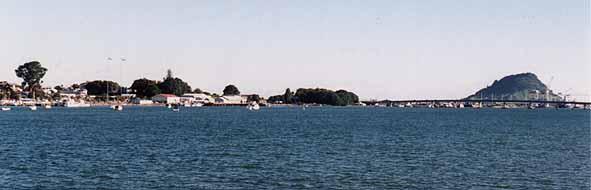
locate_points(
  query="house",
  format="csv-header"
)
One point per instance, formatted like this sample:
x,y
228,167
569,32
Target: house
x,y
140,101
48,90
74,93
166,99
197,98
231,100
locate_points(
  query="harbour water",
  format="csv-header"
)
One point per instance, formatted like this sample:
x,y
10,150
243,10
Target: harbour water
x,y
291,148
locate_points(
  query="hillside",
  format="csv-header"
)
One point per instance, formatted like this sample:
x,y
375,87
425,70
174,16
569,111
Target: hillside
x,y
524,86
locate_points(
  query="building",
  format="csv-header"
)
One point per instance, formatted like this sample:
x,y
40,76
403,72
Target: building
x,y
74,93
197,98
166,99
140,101
231,100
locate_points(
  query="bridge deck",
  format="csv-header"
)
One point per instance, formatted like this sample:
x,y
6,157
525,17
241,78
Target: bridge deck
x,y
485,101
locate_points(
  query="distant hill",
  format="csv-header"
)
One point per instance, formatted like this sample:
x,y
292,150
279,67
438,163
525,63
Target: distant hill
x,y
524,86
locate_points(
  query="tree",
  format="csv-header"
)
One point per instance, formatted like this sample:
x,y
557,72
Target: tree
x,y
168,74
75,86
197,91
324,96
7,92
100,87
152,90
31,73
253,98
288,96
231,90
59,88
173,85
145,88
347,98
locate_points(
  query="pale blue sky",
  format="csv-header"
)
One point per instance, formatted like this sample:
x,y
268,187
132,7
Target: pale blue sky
x,y
378,49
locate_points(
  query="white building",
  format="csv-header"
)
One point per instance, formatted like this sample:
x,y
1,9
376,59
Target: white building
x,y
231,100
77,93
166,99
197,98
140,101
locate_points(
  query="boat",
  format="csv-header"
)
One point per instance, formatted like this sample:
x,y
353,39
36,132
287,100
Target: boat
x,y
507,106
198,105
175,108
169,106
117,107
6,109
47,106
72,104
253,106
33,108
477,105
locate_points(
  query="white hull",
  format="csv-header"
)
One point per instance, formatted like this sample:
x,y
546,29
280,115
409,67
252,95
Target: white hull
x,y
253,107
117,108
33,108
6,109
76,105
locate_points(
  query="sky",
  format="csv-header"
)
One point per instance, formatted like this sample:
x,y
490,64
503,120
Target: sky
x,y
392,49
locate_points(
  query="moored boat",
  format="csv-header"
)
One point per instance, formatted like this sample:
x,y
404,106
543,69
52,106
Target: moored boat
x,y
253,106
117,107
73,104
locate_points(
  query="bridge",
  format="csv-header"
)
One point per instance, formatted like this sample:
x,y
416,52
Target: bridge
x,y
476,101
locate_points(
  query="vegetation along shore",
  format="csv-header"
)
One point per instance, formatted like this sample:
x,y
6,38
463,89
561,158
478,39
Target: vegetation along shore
x,y
523,90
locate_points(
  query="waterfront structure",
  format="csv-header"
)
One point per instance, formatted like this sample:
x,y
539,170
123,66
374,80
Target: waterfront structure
x,y
231,100
192,98
140,101
76,104
74,93
166,99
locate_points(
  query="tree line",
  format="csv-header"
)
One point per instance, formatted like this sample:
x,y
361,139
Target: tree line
x,y
316,96
33,72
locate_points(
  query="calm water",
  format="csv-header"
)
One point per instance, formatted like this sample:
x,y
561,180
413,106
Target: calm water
x,y
289,148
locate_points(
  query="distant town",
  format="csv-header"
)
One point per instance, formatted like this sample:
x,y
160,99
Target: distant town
x,y
169,91
515,91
